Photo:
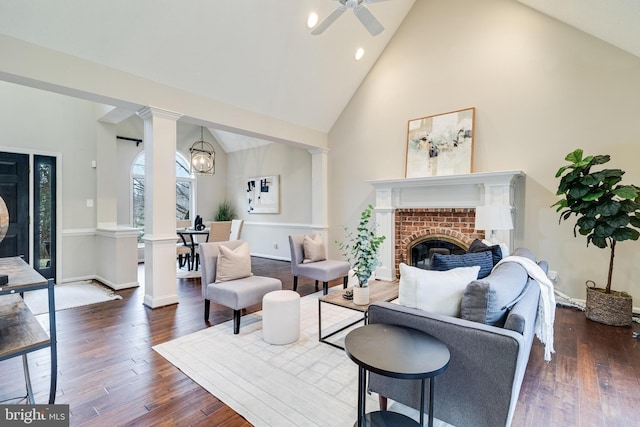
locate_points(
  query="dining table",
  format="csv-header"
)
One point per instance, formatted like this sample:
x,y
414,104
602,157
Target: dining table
x,y
189,239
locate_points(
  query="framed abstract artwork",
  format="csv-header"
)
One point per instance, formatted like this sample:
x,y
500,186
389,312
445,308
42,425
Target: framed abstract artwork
x,y
263,194
440,145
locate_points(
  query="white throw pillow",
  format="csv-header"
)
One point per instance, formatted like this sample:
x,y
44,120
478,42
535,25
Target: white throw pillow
x,y
313,248
407,287
233,263
434,291
505,250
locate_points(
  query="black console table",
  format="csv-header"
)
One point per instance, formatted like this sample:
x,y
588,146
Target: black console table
x,y
20,332
396,352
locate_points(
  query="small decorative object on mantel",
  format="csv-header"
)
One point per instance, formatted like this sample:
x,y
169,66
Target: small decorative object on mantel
x,y
440,145
361,250
608,212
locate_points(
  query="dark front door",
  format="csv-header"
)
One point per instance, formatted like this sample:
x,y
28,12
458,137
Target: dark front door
x,y
44,212
14,189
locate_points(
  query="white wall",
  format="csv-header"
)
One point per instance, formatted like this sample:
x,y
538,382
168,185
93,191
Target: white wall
x,y
267,234
540,89
34,121
211,190
127,151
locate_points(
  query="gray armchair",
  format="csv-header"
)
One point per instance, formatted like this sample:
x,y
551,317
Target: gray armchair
x,y
323,271
236,294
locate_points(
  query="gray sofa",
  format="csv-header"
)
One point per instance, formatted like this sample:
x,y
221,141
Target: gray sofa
x,y
489,348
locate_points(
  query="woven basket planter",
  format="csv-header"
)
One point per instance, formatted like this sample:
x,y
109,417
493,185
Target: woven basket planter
x,y
614,309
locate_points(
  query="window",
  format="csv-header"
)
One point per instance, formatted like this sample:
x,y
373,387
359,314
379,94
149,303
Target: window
x,y
184,190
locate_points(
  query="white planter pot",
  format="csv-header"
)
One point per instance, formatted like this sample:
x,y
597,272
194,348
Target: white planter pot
x,y
361,295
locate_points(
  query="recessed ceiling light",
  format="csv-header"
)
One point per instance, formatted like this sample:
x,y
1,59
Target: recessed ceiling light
x,y
312,20
359,54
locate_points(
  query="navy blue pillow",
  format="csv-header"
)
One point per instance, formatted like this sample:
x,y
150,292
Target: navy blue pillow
x,y
447,262
478,246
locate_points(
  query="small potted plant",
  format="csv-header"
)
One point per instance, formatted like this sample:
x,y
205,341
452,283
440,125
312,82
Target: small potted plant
x,y
225,211
608,212
361,249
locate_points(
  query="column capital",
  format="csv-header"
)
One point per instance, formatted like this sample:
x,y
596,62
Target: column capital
x,y
319,150
150,112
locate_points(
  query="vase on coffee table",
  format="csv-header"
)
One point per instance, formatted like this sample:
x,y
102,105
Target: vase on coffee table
x,y
361,295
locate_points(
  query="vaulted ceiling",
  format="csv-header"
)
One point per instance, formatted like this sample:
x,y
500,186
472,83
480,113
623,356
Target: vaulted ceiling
x,y
256,54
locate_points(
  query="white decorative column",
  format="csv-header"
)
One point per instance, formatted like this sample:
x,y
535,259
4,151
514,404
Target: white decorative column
x,y
384,212
160,206
319,186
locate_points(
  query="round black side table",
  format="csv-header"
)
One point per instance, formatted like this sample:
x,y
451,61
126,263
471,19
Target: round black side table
x,y
396,352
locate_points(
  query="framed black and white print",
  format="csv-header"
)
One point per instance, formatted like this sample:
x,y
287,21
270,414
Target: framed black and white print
x,y
263,194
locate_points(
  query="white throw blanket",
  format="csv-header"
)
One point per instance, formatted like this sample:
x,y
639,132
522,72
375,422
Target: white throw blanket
x,y
546,303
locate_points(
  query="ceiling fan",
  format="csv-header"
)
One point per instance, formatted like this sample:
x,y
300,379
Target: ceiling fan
x,y
359,9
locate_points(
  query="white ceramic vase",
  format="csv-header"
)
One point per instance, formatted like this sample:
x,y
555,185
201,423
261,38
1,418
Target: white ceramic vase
x,y
361,295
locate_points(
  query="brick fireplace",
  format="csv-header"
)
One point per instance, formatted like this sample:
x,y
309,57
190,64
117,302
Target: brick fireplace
x,y
411,210
416,225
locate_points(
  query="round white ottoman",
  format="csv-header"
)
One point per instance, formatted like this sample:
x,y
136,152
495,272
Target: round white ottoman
x,y
281,317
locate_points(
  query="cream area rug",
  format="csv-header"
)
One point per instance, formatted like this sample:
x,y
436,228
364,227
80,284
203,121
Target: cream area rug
x,y
306,383
183,273
70,295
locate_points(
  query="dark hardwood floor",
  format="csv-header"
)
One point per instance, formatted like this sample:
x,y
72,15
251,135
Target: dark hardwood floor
x,y
109,375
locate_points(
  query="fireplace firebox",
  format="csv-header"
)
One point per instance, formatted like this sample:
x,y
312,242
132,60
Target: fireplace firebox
x,y
419,233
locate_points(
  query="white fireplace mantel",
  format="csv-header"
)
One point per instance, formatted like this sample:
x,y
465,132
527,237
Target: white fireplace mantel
x,y
453,191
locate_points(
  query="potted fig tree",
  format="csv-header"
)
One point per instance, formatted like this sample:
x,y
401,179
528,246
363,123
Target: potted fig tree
x,y
607,212
361,250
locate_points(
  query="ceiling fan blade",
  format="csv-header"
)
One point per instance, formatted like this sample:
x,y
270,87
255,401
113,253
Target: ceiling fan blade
x,y
374,1
368,20
319,29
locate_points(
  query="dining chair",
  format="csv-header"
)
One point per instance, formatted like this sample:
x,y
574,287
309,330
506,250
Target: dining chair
x,y
236,229
219,231
184,255
190,241
183,250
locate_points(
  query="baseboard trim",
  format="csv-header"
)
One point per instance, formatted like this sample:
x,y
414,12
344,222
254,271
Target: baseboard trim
x,y
117,286
160,302
76,279
275,257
